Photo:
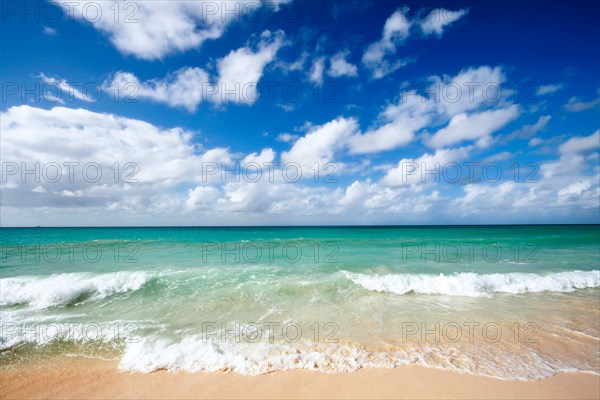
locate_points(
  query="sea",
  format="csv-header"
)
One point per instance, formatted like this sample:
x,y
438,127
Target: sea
x,y
511,302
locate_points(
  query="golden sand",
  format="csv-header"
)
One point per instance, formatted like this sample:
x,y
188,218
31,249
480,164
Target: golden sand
x,y
91,379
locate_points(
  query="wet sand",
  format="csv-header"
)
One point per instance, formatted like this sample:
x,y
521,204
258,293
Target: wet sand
x,y
93,379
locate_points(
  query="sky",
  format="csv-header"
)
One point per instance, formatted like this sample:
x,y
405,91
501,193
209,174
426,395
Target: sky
x,y
137,113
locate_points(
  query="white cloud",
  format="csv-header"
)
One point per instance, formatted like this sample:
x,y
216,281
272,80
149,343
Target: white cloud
x,y
240,70
474,127
185,88
503,155
472,88
316,72
340,67
386,137
579,144
162,157
401,121
561,191
575,105
528,131
321,143
65,88
49,31
535,142
278,3
238,75
266,156
379,57
395,31
418,171
297,65
151,30
438,19
549,89
449,99
202,196
287,137
169,161
373,199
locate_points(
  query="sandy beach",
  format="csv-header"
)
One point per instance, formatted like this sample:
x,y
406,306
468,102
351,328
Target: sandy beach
x,y
91,379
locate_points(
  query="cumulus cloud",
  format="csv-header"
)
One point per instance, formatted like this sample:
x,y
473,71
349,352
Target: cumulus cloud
x,y
438,19
171,182
136,160
558,190
549,89
472,88
151,30
316,71
62,134
395,30
321,143
474,127
579,144
185,88
202,196
172,186
264,157
472,103
340,67
287,137
468,116
411,171
241,69
379,57
238,75
394,134
528,131
172,189
576,105
374,199
562,191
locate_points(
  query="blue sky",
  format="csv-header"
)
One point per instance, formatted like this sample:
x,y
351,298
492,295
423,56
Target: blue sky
x,y
374,94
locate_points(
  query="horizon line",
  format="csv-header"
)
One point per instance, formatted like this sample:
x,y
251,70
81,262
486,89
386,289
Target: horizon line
x,y
298,226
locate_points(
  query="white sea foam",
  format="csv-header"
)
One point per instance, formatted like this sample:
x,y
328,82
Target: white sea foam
x,y
62,289
193,354
476,285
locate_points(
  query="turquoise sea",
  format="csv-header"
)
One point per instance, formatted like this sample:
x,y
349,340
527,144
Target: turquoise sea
x,y
514,302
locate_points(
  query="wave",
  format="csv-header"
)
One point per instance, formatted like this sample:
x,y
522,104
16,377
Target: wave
x,y
196,354
477,285
42,292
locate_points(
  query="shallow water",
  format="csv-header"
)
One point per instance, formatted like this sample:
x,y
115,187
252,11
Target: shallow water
x,y
515,302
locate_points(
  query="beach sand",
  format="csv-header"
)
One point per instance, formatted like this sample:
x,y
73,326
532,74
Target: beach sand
x,y
92,379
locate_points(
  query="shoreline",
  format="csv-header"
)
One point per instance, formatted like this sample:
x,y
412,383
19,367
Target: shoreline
x,y
95,379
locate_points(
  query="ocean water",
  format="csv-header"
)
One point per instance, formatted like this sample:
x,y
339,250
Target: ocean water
x,y
513,302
